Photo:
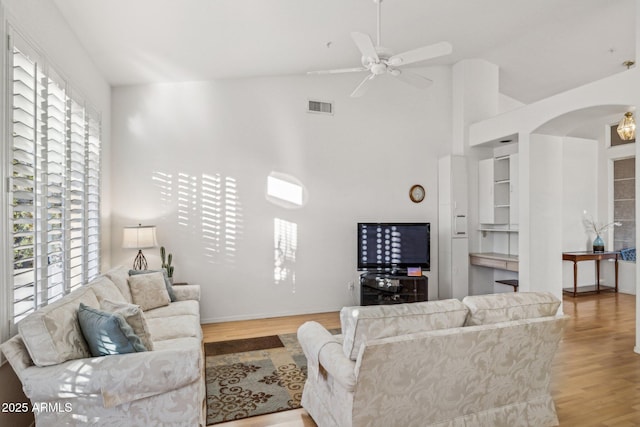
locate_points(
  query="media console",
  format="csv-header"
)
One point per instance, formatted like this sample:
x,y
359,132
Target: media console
x,y
387,288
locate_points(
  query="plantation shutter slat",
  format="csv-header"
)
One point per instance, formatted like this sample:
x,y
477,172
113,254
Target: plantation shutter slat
x,y
56,190
93,134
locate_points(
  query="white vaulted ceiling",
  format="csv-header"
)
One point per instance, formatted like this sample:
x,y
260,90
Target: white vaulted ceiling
x,y
541,46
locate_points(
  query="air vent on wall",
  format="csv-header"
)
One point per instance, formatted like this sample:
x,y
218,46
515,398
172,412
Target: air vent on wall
x,y
320,107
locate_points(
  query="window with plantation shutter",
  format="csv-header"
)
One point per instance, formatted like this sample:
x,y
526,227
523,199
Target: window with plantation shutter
x,y
53,184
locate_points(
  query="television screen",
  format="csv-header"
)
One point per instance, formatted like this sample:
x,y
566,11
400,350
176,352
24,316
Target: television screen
x,y
393,246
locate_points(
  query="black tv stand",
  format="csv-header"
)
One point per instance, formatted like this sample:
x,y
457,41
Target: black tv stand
x,y
390,288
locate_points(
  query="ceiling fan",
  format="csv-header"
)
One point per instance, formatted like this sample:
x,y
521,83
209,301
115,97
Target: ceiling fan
x,y
379,60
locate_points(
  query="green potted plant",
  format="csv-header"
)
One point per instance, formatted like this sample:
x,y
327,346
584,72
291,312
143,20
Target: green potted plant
x,y
166,262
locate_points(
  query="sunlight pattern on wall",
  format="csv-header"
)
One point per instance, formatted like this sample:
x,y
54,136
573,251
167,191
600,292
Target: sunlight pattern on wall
x,y
232,218
163,181
207,207
285,190
187,201
285,239
211,214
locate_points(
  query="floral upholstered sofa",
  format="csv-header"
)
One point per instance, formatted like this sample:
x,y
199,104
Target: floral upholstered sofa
x,y
485,361
160,383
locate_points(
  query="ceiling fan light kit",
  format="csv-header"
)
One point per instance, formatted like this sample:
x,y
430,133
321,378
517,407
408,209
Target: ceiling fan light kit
x,y
379,60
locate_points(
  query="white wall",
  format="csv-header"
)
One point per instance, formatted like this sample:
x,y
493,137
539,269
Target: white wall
x,y
580,177
175,146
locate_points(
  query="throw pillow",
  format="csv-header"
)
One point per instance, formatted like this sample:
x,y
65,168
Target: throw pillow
x,y
167,280
107,333
134,317
149,291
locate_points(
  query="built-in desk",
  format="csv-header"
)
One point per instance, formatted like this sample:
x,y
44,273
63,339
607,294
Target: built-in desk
x,y
576,257
494,260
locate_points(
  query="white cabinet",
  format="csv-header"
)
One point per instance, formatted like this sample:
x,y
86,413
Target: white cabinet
x,y
453,243
485,191
493,191
497,191
514,196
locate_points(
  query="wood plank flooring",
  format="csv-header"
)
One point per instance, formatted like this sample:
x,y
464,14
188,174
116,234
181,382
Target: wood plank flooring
x,y
596,374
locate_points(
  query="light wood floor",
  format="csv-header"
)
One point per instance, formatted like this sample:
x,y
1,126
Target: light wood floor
x,y
596,374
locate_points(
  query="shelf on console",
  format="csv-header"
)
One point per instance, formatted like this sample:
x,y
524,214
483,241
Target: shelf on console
x,y
502,230
494,260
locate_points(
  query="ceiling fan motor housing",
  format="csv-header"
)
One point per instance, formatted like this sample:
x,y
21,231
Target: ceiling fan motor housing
x,y
379,68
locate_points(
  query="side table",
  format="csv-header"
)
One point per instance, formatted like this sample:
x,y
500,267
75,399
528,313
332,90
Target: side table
x,y
576,257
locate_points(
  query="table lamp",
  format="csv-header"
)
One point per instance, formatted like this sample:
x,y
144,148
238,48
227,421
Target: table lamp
x,y
139,237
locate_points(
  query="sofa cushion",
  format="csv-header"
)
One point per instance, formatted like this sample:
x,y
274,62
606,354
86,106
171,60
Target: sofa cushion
x,y
178,343
167,328
177,308
52,334
167,281
495,308
363,324
119,275
107,333
104,289
134,316
148,291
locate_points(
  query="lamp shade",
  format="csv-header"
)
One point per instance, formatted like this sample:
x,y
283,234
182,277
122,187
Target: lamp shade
x,y
627,127
139,237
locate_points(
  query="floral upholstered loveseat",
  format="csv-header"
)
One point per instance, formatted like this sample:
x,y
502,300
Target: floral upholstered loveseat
x,y
163,386
485,361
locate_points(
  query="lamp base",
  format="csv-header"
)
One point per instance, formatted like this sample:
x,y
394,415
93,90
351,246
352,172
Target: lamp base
x,y
140,262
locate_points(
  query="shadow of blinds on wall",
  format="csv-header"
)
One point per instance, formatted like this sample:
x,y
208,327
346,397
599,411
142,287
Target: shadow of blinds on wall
x,y
53,186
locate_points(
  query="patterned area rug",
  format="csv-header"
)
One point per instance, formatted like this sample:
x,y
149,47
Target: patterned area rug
x,y
257,382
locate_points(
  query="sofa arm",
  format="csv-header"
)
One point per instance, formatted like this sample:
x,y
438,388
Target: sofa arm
x,y
187,292
323,350
17,354
118,378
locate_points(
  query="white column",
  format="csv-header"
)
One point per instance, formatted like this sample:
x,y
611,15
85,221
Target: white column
x,y
544,240
475,94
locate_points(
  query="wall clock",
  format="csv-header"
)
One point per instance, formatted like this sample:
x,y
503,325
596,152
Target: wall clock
x,y
417,193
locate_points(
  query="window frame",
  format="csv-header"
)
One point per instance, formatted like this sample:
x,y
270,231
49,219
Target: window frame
x,y
615,231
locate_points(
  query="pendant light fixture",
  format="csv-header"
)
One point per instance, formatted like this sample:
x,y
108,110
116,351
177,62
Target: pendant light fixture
x,y
627,127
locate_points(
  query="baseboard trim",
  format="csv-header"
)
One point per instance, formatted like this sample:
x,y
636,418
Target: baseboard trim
x,y
636,349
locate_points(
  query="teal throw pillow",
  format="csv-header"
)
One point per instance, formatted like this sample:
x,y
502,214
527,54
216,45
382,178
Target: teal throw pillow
x,y
167,281
107,333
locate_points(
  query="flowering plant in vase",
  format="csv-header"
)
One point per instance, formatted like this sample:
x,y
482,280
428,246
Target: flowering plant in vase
x,y
598,229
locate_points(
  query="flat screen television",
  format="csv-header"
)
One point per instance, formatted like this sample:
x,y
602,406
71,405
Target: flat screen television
x,y
393,247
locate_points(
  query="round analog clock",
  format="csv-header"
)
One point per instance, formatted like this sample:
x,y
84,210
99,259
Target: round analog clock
x,y
417,193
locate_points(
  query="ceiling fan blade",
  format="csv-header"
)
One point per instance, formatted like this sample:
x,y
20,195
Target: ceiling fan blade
x,y
421,54
366,47
338,71
413,79
363,86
